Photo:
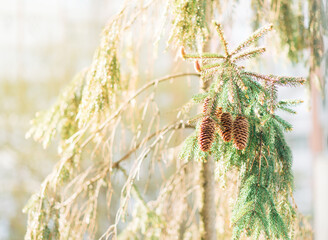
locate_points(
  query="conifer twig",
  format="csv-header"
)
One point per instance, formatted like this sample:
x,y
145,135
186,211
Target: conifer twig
x,y
223,40
210,67
128,154
248,54
125,193
209,56
281,80
240,81
254,37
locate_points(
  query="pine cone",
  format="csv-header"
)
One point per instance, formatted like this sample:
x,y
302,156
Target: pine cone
x,y
240,132
225,128
205,105
218,111
206,135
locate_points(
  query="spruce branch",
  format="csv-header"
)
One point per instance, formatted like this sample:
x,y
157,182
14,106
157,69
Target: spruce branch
x,y
209,67
204,56
273,96
250,53
279,80
240,80
251,99
290,103
254,37
223,40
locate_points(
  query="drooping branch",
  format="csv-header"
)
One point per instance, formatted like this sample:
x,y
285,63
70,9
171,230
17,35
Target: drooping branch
x,y
129,100
127,155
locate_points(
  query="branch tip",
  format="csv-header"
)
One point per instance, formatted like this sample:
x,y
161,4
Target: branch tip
x,y
183,53
197,66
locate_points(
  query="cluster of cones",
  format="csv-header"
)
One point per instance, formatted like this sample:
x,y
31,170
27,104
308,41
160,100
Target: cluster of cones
x,y
228,129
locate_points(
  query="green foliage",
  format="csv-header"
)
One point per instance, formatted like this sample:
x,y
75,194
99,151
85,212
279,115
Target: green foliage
x,y
42,213
288,19
87,99
189,26
103,78
316,25
189,148
61,117
301,26
198,98
265,165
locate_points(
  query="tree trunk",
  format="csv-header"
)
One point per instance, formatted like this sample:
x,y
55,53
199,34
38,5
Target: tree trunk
x,y
208,210
319,163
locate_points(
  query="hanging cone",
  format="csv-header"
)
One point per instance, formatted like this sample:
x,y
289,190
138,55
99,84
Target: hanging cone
x,y
205,105
225,128
240,132
206,135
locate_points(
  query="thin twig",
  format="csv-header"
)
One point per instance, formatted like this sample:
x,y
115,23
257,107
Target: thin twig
x,y
223,41
127,155
137,93
116,165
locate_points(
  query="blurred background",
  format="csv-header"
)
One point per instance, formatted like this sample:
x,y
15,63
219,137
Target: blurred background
x,y
44,43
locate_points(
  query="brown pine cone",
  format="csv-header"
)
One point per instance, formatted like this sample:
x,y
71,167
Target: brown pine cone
x,y
240,132
206,134
225,128
205,105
